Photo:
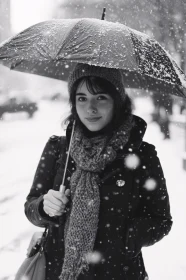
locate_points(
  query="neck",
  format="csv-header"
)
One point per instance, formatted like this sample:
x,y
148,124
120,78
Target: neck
x,y
104,131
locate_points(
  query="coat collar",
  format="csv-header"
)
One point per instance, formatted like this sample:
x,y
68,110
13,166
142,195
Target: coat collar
x,y
136,136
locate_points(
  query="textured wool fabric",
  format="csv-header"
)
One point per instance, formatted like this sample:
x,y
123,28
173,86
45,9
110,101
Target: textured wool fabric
x,y
91,156
112,75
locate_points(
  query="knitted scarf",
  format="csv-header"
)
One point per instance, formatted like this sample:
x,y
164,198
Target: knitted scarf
x,y
91,156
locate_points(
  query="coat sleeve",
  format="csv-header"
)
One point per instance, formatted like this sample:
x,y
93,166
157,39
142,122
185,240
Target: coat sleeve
x,y
153,220
43,181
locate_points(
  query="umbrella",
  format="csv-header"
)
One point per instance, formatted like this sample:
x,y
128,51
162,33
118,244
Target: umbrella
x,y
49,48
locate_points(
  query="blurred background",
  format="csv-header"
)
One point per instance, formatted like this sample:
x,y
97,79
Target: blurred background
x,y
32,109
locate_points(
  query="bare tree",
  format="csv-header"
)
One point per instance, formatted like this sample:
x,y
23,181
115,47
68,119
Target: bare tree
x,y
171,20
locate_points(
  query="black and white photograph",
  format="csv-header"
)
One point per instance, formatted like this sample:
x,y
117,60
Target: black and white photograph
x,y
92,140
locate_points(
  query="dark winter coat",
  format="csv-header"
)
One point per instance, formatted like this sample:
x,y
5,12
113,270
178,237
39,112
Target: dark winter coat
x,y
131,216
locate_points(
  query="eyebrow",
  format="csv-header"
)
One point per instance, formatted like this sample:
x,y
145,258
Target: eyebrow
x,y
79,93
96,93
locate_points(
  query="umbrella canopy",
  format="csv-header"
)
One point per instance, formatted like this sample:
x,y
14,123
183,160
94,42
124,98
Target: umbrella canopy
x,y
49,48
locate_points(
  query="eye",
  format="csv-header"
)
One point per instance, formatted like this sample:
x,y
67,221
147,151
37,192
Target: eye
x,y
81,98
102,97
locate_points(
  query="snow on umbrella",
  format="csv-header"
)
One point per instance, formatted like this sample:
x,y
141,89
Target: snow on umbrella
x,y
49,47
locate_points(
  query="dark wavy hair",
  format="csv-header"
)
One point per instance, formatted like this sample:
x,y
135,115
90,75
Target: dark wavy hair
x,y
95,84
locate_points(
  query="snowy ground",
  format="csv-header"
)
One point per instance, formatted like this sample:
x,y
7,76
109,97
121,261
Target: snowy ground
x,y
21,144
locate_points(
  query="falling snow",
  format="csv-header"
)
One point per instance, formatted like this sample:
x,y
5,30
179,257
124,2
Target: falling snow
x,y
94,42
150,184
16,237
94,257
132,161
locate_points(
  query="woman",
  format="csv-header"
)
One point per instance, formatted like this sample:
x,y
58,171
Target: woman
x,y
115,199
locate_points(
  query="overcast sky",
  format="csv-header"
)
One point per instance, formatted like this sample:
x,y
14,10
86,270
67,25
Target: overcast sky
x,y
25,12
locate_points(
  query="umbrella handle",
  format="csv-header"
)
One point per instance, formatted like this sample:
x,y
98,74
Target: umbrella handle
x,y
68,153
103,14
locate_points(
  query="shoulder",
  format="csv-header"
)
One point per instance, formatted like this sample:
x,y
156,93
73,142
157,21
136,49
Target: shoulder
x,y
145,152
147,149
58,143
56,139
55,143
149,159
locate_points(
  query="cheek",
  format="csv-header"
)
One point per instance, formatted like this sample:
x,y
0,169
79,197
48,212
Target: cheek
x,y
108,110
79,110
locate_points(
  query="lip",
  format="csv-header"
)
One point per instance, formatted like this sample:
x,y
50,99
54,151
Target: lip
x,y
93,119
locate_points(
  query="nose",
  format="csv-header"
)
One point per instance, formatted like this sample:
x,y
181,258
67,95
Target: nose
x,y
92,109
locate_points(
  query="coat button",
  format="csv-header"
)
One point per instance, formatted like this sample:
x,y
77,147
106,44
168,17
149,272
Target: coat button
x,y
120,183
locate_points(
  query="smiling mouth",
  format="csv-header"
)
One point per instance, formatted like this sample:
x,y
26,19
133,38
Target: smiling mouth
x,y
93,119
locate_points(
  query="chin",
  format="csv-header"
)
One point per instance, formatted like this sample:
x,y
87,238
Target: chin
x,y
91,128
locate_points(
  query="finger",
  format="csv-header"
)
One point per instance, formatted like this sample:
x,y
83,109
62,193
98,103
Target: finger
x,y
51,215
56,194
62,189
67,192
52,207
53,196
59,198
48,210
51,212
53,202
60,213
65,199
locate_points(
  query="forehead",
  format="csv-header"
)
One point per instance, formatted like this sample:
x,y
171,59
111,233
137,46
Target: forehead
x,y
87,87
82,87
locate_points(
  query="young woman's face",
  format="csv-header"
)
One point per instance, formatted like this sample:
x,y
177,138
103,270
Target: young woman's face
x,y
94,111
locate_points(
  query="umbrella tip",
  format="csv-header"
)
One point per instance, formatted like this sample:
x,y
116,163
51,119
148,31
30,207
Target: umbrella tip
x,y
103,14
